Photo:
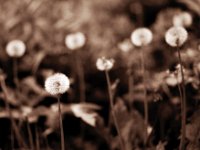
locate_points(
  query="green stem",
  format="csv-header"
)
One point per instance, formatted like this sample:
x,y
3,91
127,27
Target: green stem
x,y
183,104
122,145
61,125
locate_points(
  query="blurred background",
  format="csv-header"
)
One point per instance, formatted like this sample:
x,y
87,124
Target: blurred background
x,y
107,25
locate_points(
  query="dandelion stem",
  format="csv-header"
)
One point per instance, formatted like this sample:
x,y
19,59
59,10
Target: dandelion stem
x,y
37,138
61,125
130,83
183,104
122,145
145,98
30,136
81,77
13,124
15,74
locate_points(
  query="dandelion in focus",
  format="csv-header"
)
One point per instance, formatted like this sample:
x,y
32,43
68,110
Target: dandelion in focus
x,y
141,37
183,19
176,36
75,40
104,64
16,48
58,84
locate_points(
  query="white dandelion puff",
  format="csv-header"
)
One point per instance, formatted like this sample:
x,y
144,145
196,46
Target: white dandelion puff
x,y
176,36
16,48
103,64
141,37
57,84
75,40
182,19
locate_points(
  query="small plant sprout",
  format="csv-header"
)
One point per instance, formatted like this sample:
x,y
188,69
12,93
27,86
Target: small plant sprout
x,y
104,64
76,41
58,84
183,19
176,37
140,38
15,49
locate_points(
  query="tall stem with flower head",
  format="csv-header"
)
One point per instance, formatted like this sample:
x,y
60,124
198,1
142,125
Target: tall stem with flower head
x,y
122,145
176,36
58,84
183,103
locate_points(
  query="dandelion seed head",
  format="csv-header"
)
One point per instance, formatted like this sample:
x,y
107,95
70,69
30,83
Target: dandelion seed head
x,y
176,36
141,37
75,40
15,48
182,19
125,46
104,64
57,84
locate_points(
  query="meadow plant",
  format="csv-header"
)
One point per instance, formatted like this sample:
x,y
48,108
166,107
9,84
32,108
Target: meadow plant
x,y
104,64
183,19
58,84
176,37
141,37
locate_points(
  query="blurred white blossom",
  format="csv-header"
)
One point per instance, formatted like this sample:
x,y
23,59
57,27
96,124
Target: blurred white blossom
x,y
104,64
16,48
125,45
75,40
182,19
81,111
176,36
141,37
57,84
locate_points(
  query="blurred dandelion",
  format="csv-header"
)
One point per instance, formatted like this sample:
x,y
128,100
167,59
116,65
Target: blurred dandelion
x,y
58,84
182,19
75,41
125,46
176,37
104,64
16,48
141,37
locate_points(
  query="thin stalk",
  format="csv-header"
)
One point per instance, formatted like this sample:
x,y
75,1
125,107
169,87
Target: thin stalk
x,y
183,104
145,98
61,125
37,138
122,145
15,74
130,83
30,136
12,138
80,74
13,124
